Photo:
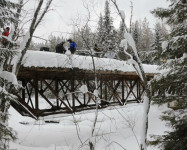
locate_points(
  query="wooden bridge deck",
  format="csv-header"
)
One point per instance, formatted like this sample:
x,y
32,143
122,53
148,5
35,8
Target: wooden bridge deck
x,y
58,86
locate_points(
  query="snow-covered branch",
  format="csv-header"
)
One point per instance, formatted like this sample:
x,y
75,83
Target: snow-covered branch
x,y
135,61
27,38
43,13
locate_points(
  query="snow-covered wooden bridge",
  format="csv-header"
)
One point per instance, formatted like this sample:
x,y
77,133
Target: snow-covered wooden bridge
x,y
57,83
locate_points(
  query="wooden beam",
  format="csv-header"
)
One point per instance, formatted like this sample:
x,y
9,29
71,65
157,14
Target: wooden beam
x,y
51,89
41,93
131,89
36,94
115,94
23,89
57,91
29,96
73,94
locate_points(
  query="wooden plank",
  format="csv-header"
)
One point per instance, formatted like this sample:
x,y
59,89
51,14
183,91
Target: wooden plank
x,y
65,91
122,91
115,94
66,73
131,88
23,89
29,96
41,93
114,89
73,94
57,91
51,89
31,111
36,94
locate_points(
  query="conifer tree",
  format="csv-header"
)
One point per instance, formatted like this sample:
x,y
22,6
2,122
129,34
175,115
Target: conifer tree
x,y
160,34
7,12
147,36
120,33
99,32
88,39
119,38
8,16
172,83
109,33
136,32
157,38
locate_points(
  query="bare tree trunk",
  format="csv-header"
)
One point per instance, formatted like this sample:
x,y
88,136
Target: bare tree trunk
x,y
91,140
32,28
91,143
142,75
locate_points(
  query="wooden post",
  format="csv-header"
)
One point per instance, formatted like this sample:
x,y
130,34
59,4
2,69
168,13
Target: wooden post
x,y
106,92
122,88
23,90
73,94
101,91
84,95
138,90
36,94
57,92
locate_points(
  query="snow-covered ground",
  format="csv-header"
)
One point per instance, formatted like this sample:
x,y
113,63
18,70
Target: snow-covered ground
x,y
114,129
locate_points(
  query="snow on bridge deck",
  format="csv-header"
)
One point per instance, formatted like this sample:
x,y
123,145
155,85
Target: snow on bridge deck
x,y
49,61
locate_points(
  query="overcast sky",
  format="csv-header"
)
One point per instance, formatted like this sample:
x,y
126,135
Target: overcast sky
x,y
59,21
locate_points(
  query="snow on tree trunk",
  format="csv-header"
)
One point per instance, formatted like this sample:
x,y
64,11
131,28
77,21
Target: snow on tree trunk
x,y
140,71
147,99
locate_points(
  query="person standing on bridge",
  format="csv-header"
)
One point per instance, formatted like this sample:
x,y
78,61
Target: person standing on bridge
x,y
97,50
72,46
60,48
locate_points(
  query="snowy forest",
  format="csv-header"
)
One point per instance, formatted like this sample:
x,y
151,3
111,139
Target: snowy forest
x,y
153,58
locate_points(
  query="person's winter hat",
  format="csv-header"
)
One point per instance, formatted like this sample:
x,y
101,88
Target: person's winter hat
x,y
8,28
69,40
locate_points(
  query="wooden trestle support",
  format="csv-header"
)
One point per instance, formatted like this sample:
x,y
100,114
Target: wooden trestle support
x,y
42,96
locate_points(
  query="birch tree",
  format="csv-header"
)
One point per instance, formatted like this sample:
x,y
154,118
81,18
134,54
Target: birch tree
x,y
86,40
135,61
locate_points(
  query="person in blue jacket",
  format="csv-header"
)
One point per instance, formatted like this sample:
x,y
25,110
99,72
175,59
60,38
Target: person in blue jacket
x,y
72,46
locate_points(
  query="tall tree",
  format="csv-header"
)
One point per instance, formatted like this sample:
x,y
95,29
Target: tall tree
x,y
8,16
136,63
136,32
160,34
147,36
109,33
100,32
172,83
157,38
88,37
120,33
